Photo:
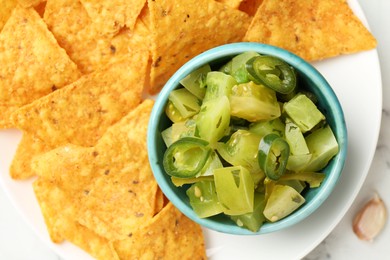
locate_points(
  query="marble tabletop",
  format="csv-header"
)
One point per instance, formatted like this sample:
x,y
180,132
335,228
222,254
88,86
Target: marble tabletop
x,y
17,240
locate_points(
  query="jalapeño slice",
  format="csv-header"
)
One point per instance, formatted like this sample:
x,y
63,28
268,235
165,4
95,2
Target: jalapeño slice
x,y
273,73
186,157
273,156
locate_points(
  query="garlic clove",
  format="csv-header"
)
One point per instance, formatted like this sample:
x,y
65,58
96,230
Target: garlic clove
x,y
371,219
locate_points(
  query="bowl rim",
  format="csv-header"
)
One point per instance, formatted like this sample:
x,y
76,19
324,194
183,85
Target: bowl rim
x,y
229,50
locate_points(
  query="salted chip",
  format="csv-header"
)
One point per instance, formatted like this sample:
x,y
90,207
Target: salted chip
x,y
170,235
81,112
35,63
5,11
111,15
77,33
28,147
311,29
29,3
111,184
59,215
231,3
180,31
250,6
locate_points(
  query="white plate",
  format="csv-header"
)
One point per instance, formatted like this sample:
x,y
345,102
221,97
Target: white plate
x,y
356,80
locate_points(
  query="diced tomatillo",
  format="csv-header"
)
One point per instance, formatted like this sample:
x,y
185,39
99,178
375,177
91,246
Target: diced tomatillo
x,y
195,82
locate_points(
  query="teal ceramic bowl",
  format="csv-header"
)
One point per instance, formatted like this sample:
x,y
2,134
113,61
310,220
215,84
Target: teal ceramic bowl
x,y
308,77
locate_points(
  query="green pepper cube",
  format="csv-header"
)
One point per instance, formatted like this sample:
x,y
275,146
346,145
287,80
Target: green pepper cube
x,y
195,82
264,127
295,139
218,84
282,202
253,220
303,112
212,122
323,146
235,190
254,102
241,150
203,199
186,103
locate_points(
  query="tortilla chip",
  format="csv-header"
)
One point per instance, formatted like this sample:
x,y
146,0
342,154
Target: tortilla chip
x,y
29,3
81,37
311,29
231,3
81,112
111,15
250,6
5,11
170,235
111,184
28,147
59,212
180,32
36,65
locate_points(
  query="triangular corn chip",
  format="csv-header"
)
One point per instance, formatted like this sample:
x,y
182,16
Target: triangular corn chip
x,y
59,214
312,29
112,15
111,184
32,63
231,3
77,33
5,11
170,235
184,29
29,3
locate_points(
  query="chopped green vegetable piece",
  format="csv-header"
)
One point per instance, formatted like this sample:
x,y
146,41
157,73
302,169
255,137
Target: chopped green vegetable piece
x,y
218,84
314,179
186,157
213,120
241,149
297,163
203,199
186,103
273,72
173,113
303,112
212,163
195,82
295,139
253,220
238,69
253,102
265,127
283,201
273,155
235,189
323,146
298,185
179,182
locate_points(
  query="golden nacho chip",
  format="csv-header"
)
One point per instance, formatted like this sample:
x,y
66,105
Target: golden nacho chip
x,y
28,147
59,215
250,6
36,65
29,3
81,112
170,235
111,184
311,29
231,3
180,31
5,11
81,37
111,15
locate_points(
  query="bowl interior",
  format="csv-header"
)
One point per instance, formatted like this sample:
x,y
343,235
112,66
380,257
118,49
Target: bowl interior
x,y
308,78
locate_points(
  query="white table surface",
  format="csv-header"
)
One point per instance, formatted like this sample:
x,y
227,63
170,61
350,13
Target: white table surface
x,y
17,240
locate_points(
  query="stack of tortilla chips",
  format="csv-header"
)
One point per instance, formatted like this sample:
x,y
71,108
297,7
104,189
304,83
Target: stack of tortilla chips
x,y
73,76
